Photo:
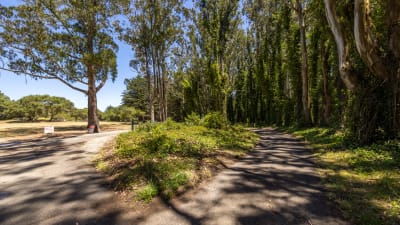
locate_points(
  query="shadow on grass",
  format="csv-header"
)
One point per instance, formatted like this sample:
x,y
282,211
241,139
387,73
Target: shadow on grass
x,y
275,184
365,181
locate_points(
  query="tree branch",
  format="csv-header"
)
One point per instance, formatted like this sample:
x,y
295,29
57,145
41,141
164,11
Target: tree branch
x,y
349,79
49,77
103,82
364,43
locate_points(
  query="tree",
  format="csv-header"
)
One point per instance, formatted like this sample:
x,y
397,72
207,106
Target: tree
x,y
69,41
216,21
54,106
376,37
136,94
6,104
153,30
122,113
299,7
31,107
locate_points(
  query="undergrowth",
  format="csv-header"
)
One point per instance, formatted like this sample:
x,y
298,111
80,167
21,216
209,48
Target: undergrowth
x,y
163,159
364,180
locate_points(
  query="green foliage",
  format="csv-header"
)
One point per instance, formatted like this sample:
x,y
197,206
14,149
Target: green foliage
x,y
365,181
135,95
164,158
147,193
6,107
122,114
193,119
215,120
33,107
67,41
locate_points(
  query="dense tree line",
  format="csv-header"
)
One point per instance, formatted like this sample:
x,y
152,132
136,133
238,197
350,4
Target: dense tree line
x,y
282,62
53,108
35,107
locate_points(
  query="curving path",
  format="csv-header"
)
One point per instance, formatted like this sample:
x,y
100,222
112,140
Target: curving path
x,y
52,182
277,184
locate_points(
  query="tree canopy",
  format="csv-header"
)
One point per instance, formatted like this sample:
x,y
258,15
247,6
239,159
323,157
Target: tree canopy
x,y
69,41
281,62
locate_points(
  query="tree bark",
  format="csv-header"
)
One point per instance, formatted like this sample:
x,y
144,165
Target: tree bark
x,y
393,21
365,44
149,89
92,101
349,79
326,94
304,67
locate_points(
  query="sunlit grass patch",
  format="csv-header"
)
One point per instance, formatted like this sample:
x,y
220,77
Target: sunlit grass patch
x,y
165,159
365,181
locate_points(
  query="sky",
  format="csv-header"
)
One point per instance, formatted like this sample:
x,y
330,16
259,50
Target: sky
x,y
17,86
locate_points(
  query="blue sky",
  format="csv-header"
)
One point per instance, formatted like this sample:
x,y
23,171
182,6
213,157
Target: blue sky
x,y
17,86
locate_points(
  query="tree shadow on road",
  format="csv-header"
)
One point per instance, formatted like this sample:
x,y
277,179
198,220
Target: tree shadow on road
x,y
275,184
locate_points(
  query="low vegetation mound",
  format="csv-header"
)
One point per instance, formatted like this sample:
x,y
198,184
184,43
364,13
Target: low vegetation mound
x,y
166,158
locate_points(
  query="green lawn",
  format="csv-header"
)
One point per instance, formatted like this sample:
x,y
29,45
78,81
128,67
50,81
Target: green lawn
x,y
165,159
365,181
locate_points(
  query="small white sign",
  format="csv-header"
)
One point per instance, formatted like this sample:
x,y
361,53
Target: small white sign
x,y
48,130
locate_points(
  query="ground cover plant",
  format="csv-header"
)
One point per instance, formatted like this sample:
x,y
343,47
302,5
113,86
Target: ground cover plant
x,y
364,181
166,158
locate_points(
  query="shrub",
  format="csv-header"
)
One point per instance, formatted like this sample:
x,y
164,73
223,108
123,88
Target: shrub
x,y
192,119
215,120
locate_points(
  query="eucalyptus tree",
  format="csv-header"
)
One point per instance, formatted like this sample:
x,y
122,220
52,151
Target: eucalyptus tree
x,y
70,41
152,31
373,28
300,8
216,22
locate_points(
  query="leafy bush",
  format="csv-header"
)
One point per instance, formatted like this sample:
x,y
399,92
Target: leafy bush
x,y
192,119
215,120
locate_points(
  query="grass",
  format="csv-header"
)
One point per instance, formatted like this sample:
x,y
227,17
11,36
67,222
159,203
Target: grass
x,y
17,129
166,159
365,181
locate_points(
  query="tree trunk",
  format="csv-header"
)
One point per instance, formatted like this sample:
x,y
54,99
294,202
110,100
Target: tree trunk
x,y
325,86
92,102
149,90
304,67
349,79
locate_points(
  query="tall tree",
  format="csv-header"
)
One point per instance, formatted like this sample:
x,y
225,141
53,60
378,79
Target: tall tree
x,y
152,31
70,41
376,35
300,6
215,24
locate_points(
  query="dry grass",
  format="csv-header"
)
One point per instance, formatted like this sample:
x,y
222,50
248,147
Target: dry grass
x,y
11,129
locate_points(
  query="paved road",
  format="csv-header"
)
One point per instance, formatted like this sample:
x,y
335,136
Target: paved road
x,y
275,185
51,181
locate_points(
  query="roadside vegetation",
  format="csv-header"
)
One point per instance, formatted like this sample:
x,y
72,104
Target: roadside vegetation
x,y
165,159
364,181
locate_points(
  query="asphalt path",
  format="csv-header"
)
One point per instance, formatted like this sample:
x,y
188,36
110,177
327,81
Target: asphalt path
x,y
52,181
276,184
